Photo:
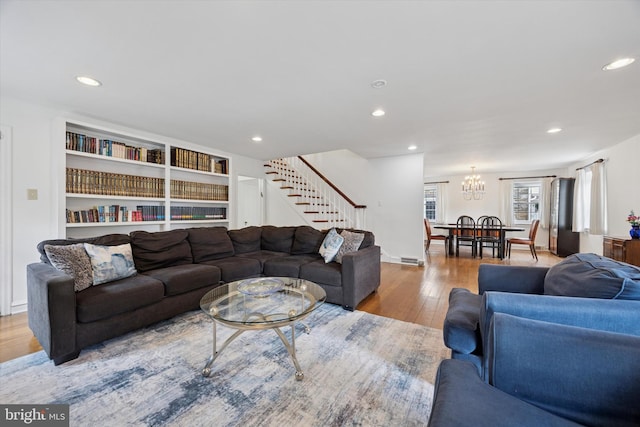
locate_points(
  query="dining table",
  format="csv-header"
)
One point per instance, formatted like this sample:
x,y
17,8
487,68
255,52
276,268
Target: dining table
x,y
451,229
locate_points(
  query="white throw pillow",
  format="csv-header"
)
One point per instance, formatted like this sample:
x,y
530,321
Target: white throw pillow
x,y
110,263
330,245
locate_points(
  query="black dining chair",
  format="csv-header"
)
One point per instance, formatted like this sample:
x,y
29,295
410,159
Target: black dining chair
x,y
466,234
490,235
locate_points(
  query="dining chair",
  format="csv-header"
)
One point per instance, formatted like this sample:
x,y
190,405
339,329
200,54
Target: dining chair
x,y
466,234
430,237
490,235
531,241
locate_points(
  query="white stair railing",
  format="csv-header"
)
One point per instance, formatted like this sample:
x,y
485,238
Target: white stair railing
x,y
320,201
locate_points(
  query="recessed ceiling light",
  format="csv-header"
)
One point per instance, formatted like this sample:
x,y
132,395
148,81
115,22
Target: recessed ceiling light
x,y
413,147
623,62
378,84
378,113
554,130
85,80
257,139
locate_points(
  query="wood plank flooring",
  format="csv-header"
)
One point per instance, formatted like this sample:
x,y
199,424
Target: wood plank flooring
x,y
409,293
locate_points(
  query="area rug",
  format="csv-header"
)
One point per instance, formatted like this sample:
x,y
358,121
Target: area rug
x,y
360,370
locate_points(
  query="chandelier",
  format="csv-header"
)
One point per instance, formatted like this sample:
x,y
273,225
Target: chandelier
x,y
472,187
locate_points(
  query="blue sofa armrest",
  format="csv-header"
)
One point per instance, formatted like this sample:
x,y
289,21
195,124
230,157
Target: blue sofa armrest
x,y
511,278
585,375
462,399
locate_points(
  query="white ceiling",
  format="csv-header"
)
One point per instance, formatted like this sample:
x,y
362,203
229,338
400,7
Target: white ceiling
x,y
471,83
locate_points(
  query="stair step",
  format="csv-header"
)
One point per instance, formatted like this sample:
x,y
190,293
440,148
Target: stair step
x,y
271,173
312,212
302,203
286,187
320,220
295,195
278,179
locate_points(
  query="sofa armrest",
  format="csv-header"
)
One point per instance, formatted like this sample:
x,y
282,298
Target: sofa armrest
x,y
360,275
462,399
511,278
51,303
588,376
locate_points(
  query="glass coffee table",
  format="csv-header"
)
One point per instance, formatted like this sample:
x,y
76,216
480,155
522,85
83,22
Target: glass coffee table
x,y
261,303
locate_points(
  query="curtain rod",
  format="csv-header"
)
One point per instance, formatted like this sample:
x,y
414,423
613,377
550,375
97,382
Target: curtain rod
x,y
592,163
437,182
528,177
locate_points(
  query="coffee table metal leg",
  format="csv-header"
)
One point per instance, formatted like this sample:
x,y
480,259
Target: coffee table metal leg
x,y
206,371
291,348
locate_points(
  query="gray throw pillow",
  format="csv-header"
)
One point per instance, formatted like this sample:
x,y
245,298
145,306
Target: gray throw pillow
x,y
110,263
351,243
73,260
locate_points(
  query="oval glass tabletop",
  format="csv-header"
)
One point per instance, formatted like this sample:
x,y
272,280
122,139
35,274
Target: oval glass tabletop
x,y
263,301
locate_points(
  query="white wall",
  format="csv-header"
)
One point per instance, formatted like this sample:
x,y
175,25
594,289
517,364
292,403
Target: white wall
x,y
623,176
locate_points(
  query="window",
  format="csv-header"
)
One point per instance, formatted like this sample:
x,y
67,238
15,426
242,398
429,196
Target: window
x,y
430,201
526,202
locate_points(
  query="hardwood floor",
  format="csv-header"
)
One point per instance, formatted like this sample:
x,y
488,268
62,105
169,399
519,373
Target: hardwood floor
x,y
409,293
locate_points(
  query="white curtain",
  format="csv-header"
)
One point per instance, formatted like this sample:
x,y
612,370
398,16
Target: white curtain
x,y
441,205
579,202
506,201
545,205
590,200
598,208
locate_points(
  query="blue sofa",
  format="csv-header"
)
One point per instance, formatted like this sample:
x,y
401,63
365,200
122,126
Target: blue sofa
x,y
543,374
573,292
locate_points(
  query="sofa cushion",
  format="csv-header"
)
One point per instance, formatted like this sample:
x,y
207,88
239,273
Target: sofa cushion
x,y
307,240
160,249
593,276
73,260
246,239
277,239
461,332
322,273
107,240
110,263
331,245
208,243
352,242
185,278
369,238
263,256
236,268
288,266
125,295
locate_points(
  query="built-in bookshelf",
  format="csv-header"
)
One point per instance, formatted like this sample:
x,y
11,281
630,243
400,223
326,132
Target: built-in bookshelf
x,y
125,181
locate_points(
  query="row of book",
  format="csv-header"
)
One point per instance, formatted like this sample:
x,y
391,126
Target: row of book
x,y
186,213
109,148
115,213
118,213
199,191
190,159
82,181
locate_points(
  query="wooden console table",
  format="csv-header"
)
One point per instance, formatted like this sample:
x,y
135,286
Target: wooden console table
x,y
622,249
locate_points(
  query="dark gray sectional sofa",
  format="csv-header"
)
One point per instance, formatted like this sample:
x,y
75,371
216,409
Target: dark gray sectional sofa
x,y
174,270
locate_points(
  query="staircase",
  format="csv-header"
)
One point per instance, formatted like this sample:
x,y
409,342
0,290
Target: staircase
x,y
319,201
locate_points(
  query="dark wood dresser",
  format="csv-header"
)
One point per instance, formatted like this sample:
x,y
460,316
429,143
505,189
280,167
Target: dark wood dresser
x,y
622,249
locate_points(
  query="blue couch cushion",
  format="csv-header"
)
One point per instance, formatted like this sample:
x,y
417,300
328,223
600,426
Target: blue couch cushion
x,y
593,276
460,330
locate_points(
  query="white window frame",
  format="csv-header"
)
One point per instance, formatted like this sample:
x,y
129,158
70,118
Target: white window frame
x,y
531,201
433,189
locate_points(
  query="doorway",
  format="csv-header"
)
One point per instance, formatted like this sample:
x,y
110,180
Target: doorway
x,y
250,201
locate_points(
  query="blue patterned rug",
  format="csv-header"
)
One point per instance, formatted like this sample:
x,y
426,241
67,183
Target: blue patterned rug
x,y
360,370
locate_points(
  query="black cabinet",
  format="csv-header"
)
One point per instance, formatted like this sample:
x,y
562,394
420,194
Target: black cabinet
x,y
562,241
